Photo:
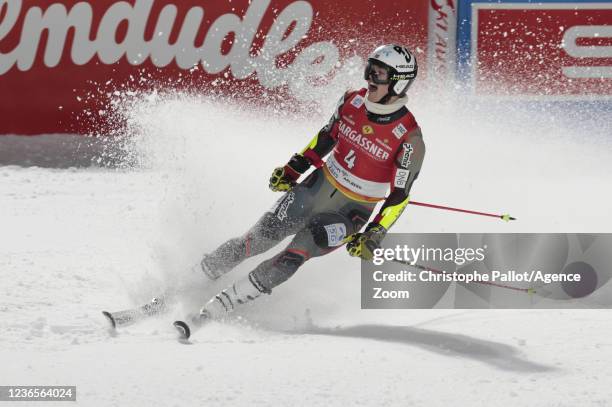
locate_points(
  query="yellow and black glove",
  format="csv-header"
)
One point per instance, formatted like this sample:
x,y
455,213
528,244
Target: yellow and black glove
x,y
285,178
280,181
363,244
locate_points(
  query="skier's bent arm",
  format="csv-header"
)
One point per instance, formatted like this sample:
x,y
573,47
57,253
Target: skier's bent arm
x,y
284,178
392,208
320,145
311,155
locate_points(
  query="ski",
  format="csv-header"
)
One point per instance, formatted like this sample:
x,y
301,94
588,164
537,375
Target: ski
x,y
183,330
133,315
195,322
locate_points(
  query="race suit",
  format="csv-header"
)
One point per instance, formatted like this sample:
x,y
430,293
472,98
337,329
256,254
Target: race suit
x,y
360,159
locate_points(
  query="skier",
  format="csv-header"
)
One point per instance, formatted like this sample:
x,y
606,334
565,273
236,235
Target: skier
x,y
374,150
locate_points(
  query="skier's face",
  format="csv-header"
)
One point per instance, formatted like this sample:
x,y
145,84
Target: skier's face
x,y
377,91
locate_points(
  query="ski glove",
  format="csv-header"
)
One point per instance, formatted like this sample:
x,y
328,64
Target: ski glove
x,y
363,244
280,181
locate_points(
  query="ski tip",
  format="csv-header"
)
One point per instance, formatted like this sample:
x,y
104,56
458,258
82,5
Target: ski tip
x,y
110,319
182,329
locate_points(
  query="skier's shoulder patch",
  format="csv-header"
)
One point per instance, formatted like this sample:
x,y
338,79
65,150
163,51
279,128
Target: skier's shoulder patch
x,y
357,100
399,130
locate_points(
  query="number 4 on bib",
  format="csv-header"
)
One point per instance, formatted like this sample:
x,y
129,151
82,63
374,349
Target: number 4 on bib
x,y
350,159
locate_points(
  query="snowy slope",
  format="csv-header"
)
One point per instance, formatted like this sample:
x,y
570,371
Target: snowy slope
x,y
75,241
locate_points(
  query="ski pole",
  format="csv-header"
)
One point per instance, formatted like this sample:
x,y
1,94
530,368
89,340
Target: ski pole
x,y
505,217
508,287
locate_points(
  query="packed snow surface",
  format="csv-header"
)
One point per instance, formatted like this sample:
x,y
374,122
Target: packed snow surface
x,y
75,241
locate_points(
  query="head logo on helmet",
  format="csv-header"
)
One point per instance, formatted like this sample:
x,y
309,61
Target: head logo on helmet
x,y
401,66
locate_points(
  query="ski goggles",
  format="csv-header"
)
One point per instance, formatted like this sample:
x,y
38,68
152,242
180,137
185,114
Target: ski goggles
x,y
382,77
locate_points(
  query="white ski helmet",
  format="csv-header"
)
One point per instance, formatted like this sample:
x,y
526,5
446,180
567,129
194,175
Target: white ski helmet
x,y
401,66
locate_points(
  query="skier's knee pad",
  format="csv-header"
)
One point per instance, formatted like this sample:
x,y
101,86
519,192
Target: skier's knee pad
x,y
328,229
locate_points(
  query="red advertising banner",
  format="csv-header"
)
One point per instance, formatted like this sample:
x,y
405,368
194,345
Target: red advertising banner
x,y
53,53
560,51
